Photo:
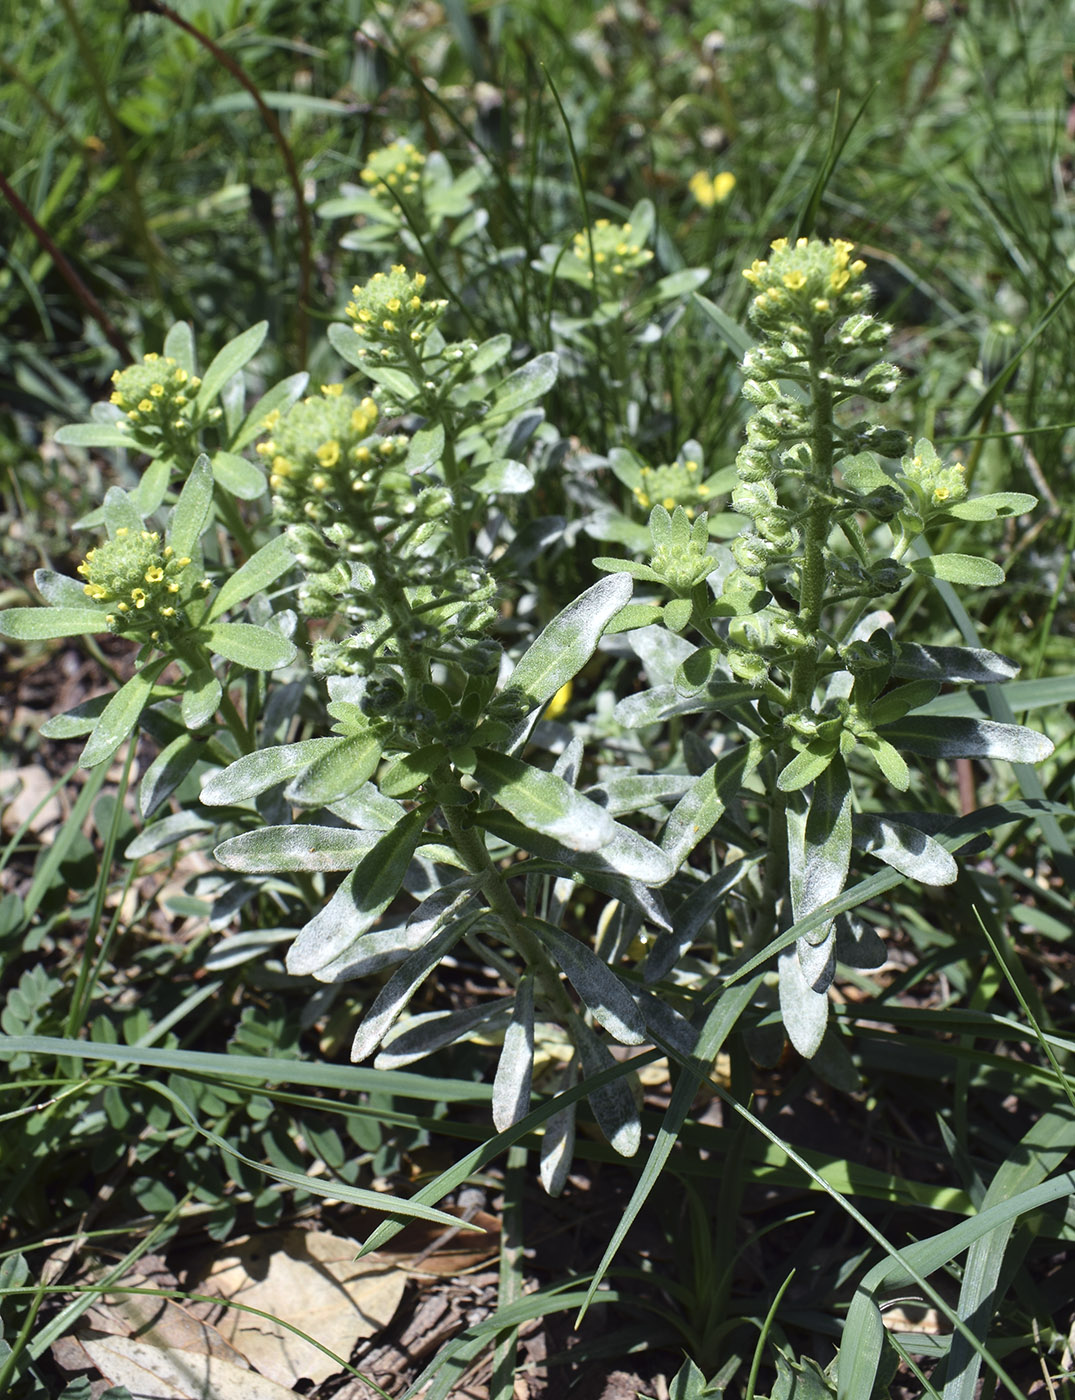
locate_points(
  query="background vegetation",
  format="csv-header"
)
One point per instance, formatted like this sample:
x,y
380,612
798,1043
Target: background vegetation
x,y
146,184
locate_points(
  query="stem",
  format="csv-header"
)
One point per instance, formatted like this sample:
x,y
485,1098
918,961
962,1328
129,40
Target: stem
x,y
470,843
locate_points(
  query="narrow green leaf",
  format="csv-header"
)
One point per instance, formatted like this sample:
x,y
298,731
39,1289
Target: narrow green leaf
x,y
601,991
228,361
998,505
167,771
278,848
411,770
399,989
202,694
120,716
702,806
279,398
120,512
737,339
248,645
360,901
337,772
254,773
256,574
511,1087
527,383
952,665
40,624
568,642
237,476
60,591
941,736
613,1104
192,510
543,802
959,568
179,345
93,435
807,765
906,849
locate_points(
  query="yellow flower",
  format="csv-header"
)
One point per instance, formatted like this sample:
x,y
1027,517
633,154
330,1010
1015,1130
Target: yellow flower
x,y
709,190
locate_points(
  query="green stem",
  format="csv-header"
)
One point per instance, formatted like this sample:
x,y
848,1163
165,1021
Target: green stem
x,y
470,843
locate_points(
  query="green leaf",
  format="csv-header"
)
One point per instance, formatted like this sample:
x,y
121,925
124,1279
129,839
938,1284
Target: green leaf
x,y
803,1009
819,844
634,616
807,765
568,642
411,770
942,736
528,382
337,772
167,771
543,802
399,989
952,665
910,851
255,773
259,571
237,476
431,1031
248,645
120,715
731,332
229,361
279,848
613,1104
279,398
959,568
202,693
179,345
151,490
514,1070
39,624
703,804
502,477
600,990
93,435
999,505
59,591
192,510
890,761
360,901
677,614
80,719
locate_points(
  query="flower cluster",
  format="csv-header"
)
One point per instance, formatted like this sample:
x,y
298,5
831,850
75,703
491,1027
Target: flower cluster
x,y
807,281
326,462
610,253
935,485
394,167
144,582
709,190
390,311
157,397
679,484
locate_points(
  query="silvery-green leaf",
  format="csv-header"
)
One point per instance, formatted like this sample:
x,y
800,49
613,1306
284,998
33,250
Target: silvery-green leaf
x,y
192,510
599,989
75,722
40,624
163,835
621,793
202,693
430,1031
238,476
256,574
690,918
93,435
367,808
568,642
280,397
120,716
819,845
702,806
120,512
959,568
805,1013
595,865
59,591
998,505
666,1025
337,772
511,1087
167,771
807,766
228,361
398,990
527,383
905,849
543,802
503,477
859,945
956,665
569,762
557,1149
614,1104
248,645
360,900
817,961
381,947
661,655
253,773
307,848
943,736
